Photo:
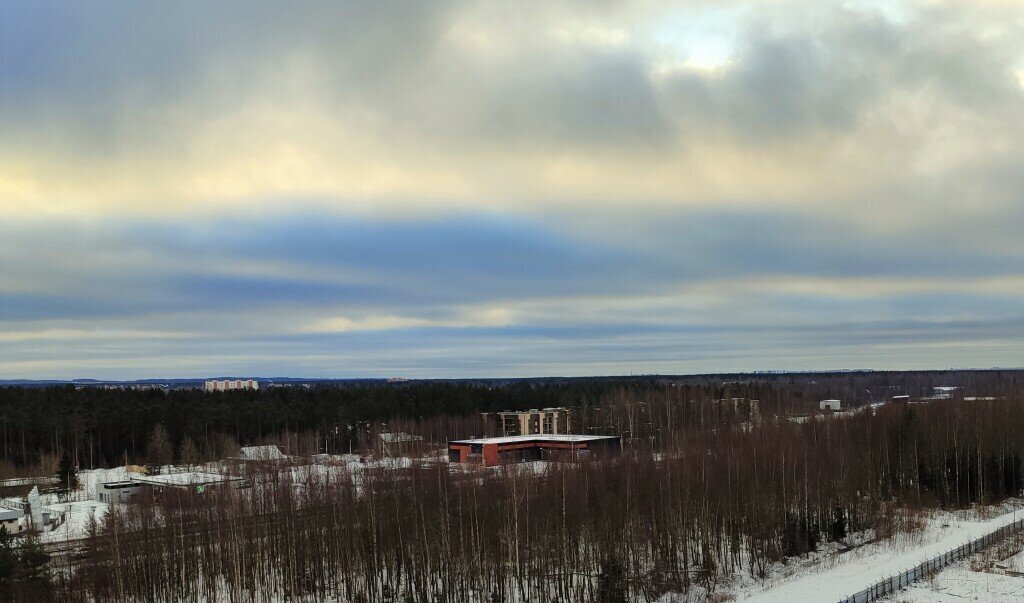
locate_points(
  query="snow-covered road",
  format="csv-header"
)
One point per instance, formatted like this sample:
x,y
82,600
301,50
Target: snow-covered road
x,y
873,563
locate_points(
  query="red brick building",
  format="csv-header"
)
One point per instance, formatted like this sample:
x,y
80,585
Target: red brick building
x,y
518,449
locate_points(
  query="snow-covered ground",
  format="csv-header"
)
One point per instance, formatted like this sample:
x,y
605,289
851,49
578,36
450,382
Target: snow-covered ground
x,y
985,576
827,575
844,574
959,583
75,513
76,520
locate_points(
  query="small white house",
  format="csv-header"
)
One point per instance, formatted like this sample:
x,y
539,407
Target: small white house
x,y
10,520
833,405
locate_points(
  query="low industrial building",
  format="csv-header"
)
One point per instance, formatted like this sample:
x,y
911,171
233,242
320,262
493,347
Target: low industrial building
x,y
516,449
262,454
197,481
117,492
10,520
833,405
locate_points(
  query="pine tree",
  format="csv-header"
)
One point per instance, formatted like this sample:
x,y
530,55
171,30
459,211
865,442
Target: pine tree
x,y
67,477
32,558
8,559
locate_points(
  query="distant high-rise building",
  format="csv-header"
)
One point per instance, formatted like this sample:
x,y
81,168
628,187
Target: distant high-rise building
x,y
220,385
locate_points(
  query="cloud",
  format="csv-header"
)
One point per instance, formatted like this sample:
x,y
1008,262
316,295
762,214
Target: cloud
x,y
463,186
687,290
189,108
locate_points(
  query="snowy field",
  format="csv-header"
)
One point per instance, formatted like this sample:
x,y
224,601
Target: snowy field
x,y
834,577
75,514
76,519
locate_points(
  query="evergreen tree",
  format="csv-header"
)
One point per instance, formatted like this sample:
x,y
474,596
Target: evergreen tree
x,y
8,558
32,559
611,583
67,477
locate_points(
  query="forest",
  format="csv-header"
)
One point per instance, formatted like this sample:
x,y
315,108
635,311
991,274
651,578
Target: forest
x,y
100,427
699,494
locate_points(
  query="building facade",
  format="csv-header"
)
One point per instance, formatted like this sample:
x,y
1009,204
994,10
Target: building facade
x,y
832,405
220,385
117,492
10,520
517,449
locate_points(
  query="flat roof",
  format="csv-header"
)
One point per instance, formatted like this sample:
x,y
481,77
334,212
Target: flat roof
x,y
119,484
269,452
195,478
8,515
398,436
567,438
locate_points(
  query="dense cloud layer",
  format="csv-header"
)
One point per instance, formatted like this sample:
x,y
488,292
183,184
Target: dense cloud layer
x,y
492,188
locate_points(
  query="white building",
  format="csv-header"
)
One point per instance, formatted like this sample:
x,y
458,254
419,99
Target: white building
x,y
10,520
220,385
830,405
262,454
196,481
117,492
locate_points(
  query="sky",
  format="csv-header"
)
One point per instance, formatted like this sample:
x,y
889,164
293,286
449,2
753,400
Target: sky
x,y
463,189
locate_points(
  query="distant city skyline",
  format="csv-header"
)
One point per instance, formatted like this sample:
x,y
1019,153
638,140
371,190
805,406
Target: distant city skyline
x,y
483,189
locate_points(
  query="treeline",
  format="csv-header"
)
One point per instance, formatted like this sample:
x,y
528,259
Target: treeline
x,y
725,496
104,427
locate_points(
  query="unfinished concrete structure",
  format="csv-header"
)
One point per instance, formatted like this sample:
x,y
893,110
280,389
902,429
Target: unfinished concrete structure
x,y
534,421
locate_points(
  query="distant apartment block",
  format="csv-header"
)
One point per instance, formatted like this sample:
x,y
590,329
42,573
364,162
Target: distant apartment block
x,y
534,421
221,385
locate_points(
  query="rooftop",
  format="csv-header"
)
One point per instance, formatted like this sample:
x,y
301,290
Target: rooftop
x,y
532,411
9,514
191,478
535,438
261,453
399,437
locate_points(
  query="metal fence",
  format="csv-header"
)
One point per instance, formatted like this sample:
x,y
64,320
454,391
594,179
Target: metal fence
x,y
895,583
